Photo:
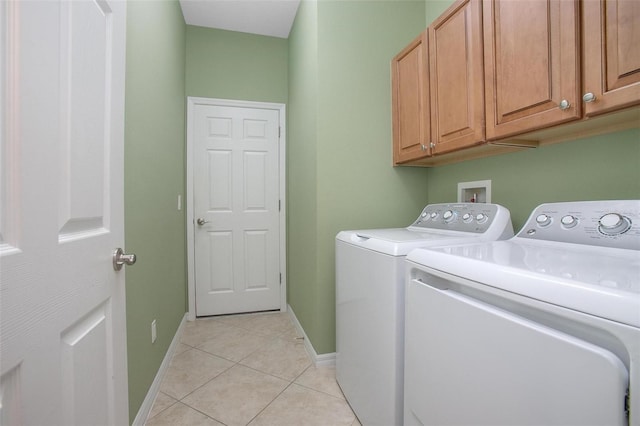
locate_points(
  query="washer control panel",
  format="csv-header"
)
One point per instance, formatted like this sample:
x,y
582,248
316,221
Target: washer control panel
x,y
464,217
613,224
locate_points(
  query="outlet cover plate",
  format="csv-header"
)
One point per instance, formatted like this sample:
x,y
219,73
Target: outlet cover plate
x,y
154,331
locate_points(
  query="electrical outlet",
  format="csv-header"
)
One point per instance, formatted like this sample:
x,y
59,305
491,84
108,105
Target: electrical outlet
x,y
154,331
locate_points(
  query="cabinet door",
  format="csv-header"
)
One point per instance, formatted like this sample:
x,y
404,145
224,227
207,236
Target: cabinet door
x,y
456,77
531,64
410,93
611,42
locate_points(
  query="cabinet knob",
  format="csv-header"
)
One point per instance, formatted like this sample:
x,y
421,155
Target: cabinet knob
x,y
432,145
588,97
422,147
565,104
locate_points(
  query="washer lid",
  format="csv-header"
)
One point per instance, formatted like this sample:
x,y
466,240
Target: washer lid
x,y
405,235
598,281
400,241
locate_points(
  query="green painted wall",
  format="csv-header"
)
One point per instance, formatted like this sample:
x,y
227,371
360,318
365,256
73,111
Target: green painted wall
x,y
434,8
154,177
598,168
302,142
232,65
339,164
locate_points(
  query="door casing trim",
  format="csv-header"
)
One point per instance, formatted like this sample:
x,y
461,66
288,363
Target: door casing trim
x,y
192,102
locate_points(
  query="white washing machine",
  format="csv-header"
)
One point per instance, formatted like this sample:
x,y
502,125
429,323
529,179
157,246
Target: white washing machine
x,y
370,300
541,329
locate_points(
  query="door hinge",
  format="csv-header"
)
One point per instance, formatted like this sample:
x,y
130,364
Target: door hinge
x,y
280,278
279,131
279,205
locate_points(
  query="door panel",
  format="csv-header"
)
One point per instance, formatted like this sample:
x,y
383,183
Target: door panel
x,y
79,359
62,327
457,83
611,56
622,35
84,92
531,64
220,273
236,192
410,93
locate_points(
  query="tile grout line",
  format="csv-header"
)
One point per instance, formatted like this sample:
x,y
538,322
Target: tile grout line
x,y
292,382
175,401
271,338
235,363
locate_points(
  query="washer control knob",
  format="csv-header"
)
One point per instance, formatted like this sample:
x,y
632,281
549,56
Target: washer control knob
x,y
569,221
543,220
424,214
449,216
613,224
481,218
467,217
434,215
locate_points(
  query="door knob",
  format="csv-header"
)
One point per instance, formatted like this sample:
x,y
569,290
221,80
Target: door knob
x,y
200,221
120,259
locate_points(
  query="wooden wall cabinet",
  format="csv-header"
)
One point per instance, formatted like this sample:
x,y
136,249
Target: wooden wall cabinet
x,y
456,78
438,98
534,75
611,55
532,65
410,102
503,75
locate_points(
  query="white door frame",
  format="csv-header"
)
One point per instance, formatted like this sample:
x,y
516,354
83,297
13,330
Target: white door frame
x,y
192,102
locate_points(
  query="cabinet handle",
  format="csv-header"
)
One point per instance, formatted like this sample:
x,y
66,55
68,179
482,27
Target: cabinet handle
x,y
422,147
565,104
432,145
588,97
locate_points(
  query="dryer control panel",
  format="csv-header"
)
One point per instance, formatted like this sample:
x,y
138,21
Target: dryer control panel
x,y
463,217
614,224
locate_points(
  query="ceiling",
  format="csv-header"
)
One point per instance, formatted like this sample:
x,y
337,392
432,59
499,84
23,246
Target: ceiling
x,y
263,17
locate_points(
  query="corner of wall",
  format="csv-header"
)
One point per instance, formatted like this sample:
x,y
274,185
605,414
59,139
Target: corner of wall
x,y
154,127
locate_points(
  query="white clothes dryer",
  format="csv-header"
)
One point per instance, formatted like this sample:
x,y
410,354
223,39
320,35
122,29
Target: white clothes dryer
x,y
370,300
541,329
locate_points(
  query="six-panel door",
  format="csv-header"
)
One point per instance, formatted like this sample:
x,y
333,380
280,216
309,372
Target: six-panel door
x,y
236,197
62,314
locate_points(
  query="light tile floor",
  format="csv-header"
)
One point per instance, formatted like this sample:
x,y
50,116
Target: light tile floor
x,y
247,370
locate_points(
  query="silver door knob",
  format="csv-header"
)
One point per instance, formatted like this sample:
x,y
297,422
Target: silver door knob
x,y
422,147
564,104
432,145
588,97
200,221
120,259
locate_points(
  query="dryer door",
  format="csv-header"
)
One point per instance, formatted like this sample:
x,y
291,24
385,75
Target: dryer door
x,y
468,362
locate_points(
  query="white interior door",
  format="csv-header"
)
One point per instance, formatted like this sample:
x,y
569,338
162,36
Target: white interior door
x,y
236,198
62,325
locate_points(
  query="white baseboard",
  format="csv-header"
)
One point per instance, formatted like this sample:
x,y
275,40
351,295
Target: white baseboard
x,y
322,360
147,404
